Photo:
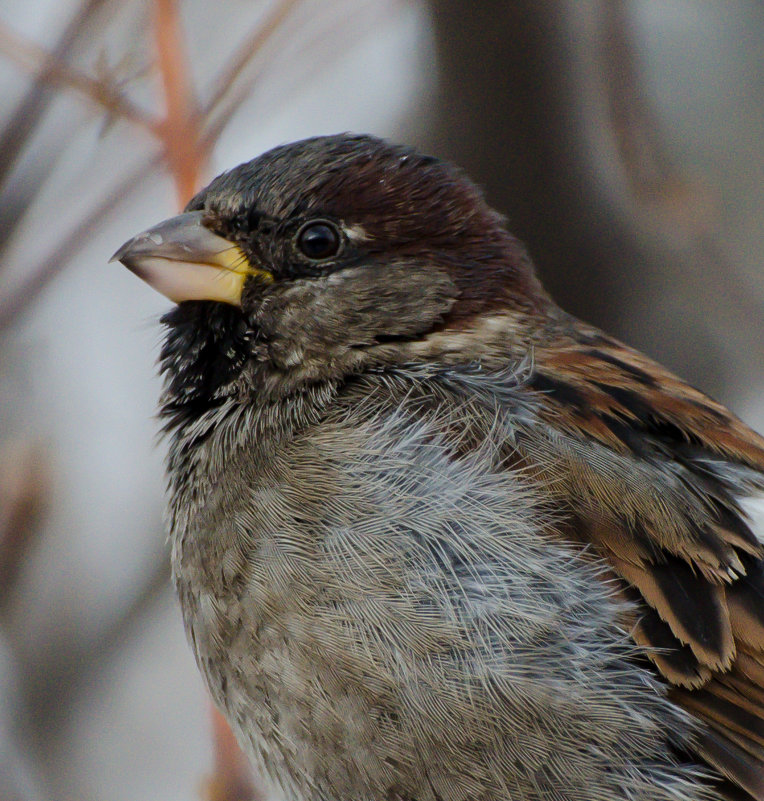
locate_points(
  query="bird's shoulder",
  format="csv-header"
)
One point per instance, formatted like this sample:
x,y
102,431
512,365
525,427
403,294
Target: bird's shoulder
x,y
668,486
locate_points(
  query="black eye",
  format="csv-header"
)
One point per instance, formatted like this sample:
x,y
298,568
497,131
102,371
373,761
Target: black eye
x,y
319,240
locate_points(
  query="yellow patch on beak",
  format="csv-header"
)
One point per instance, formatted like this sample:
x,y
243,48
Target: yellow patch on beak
x,y
184,260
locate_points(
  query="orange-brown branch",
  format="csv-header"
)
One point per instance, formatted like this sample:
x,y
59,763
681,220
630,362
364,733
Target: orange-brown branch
x,y
231,780
180,128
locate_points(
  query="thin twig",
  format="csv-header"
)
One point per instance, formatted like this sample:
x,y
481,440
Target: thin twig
x,y
247,50
180,130
16,132
38,278
186,154
220,117
42,65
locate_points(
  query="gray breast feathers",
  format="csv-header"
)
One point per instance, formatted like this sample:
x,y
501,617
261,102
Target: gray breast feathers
x,y
385,616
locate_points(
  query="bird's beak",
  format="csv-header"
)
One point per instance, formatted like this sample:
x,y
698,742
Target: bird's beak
x,y
184,260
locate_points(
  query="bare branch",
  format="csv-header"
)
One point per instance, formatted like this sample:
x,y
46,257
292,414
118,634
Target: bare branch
x,y
248,49
231,779
180,130
62,672
229,103
44,66
23,483
17,130
634,124
652,175
37,279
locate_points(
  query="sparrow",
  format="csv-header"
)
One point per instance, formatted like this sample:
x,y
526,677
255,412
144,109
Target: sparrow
x,y
434,539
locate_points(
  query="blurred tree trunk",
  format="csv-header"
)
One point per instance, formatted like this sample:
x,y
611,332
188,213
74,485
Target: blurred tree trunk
x,y
543,105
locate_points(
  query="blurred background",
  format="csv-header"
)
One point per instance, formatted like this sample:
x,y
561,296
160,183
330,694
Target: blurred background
x,y
622,138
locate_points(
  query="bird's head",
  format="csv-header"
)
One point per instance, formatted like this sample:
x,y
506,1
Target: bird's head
x,y
324,257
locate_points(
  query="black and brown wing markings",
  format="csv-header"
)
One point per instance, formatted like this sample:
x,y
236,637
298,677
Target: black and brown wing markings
x,y
698,575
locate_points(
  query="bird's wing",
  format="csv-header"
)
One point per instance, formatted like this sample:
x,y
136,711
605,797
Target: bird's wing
x,y
669,487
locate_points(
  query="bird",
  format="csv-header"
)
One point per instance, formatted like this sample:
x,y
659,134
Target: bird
x,y
434,538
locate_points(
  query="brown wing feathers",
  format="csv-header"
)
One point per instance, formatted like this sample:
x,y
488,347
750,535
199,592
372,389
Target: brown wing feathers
x,y
682,540
695,609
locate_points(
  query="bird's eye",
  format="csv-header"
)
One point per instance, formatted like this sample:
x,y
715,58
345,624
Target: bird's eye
x,y
319,240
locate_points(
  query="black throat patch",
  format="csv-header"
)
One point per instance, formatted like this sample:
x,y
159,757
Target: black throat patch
x,y
206,346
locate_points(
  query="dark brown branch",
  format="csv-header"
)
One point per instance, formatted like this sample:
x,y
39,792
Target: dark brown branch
x,y
23,484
